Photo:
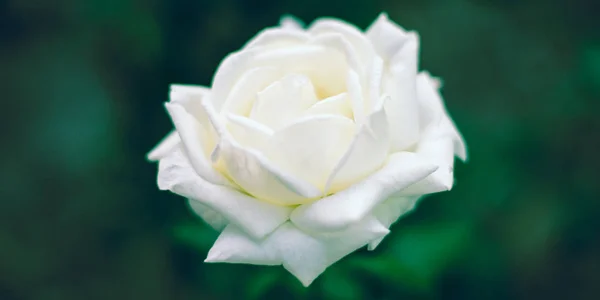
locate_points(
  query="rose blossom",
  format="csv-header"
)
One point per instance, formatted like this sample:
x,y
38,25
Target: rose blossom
x,y
309,144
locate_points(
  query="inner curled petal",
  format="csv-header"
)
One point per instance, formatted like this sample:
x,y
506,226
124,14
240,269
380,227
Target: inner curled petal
x,y
283,101
334,105
250,168
324,66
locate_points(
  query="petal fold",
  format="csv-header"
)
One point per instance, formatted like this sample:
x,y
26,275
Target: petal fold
x,y
440,139
252,170
243,94
351,205
335,105
310,147
400,83
367,152
352,34
390,211
439,151
357,98
338,41
256,218
229,72
387,37
168,144
209,215
324,66
249,133
194,128
261,178
434,113
283,101
304,255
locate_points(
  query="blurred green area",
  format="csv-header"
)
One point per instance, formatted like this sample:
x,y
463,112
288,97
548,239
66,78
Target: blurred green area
x,y
83,84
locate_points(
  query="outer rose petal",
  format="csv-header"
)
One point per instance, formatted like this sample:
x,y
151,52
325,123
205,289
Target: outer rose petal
x,y
390,211
292,23
304,255
433,110
437,150
255,217
439,142
387,37
193,127
347,207
209,215
277,37
168,144
399,82
229,72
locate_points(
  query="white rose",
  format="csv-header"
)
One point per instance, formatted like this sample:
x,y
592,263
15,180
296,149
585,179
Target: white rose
x,y
309,144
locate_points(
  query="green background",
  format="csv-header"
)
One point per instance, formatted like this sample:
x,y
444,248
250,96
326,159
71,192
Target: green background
x,y
83,84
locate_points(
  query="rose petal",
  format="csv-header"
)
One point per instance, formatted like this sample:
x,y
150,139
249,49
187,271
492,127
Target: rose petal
x,y
283,101
236,247
356,96
277,37
195,130
439,151
292,23
400,84
359,41
252,171
351,205
324,66
390,211
375,81
243,94
229,72
440,140
304,255
261,178
367,153
386,36
307,256
338,41
334,105
433,111
209,215
197,90
168,144
249,133
255,217
310,147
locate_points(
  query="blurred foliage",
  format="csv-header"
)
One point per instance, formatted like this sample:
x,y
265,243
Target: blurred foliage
x,y
83,84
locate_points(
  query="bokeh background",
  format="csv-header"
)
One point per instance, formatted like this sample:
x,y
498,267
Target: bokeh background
x,y
82,86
